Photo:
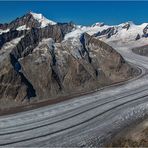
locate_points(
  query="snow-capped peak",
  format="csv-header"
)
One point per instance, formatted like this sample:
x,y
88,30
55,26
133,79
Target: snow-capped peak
x,y
43,20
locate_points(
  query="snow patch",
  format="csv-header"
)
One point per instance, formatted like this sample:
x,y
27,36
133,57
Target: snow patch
x,y
4,31
22,28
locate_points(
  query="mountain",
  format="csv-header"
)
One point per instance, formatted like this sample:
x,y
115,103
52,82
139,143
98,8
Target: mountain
x,y
41,59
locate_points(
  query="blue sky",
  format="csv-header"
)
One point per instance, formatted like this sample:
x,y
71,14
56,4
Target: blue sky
x,y
85,13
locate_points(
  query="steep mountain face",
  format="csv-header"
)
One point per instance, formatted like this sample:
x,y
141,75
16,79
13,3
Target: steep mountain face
x,y
45,61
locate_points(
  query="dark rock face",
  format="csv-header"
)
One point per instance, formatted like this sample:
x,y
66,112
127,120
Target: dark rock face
x,y
137,37
145,32
126,26
38,64
108,32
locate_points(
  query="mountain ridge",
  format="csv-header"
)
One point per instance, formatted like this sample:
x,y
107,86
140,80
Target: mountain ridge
x,y
32,19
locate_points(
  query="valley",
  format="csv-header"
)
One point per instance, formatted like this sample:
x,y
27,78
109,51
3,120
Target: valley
x,y
41,60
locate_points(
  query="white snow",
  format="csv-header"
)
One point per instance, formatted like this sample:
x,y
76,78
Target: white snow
x,y
81,29
22,28
43,20
4,31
